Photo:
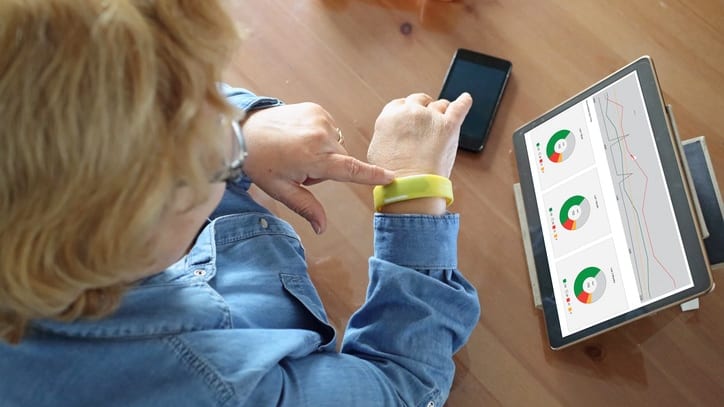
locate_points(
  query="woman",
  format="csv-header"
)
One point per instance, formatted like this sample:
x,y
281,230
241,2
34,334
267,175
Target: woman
x,y
135,267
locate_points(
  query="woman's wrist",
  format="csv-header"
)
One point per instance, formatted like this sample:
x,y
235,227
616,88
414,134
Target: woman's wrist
x,y
425,206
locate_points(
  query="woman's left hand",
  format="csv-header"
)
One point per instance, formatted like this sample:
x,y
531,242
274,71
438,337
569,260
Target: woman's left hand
x,y
292,146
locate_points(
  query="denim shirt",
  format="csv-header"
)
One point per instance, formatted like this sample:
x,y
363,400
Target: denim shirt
x,y
237,322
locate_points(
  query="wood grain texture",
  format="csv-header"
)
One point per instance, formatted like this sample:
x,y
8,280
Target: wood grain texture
x,y
353,56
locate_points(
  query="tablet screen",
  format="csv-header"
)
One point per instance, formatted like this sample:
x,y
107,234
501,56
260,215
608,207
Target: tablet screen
x,y
611,236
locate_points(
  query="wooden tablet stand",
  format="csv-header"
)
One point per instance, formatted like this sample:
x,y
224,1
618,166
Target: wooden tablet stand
x,y
706,200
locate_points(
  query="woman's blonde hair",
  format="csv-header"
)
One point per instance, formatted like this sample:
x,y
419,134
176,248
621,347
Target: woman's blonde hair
x,y
104,110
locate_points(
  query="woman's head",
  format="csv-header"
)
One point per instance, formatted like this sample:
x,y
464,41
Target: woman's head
x,y
107,107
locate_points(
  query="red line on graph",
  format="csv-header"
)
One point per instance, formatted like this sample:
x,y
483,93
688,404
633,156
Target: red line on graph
x,y
646,187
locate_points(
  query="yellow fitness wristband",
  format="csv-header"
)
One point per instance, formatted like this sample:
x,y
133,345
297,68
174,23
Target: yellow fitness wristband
x,y
413,187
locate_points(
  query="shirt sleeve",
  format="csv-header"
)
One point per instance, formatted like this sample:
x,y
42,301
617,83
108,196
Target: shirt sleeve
x,y
399,344
419,309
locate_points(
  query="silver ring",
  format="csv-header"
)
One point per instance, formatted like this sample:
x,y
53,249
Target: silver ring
x,y
340,138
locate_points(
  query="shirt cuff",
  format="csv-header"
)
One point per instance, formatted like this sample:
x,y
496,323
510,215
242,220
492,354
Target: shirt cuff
x,y
422,242
246,100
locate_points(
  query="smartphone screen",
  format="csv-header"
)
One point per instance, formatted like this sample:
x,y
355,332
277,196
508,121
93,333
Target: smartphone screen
x,y
484,77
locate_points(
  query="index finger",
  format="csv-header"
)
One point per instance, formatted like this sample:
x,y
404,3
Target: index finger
x,y
346,168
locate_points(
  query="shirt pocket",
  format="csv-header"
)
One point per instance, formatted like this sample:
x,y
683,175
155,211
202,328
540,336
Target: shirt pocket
x,y
302,289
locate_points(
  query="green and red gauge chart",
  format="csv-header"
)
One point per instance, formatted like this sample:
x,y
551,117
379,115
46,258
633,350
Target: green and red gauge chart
x,y
561,146
575,212
590,285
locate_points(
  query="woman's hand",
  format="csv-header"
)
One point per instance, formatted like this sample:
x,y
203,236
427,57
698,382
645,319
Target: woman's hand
x,y
417,135
291,146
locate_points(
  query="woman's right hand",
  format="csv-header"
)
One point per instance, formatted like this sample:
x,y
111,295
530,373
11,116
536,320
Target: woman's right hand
x,y
418,135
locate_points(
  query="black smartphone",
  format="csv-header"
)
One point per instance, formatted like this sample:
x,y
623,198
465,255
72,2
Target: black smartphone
x,y
484,77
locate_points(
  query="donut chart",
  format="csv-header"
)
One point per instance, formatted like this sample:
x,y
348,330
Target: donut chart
x,y
575,212
590,285
560,146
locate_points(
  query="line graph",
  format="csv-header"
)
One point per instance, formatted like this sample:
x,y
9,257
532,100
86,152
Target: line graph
x,y
641,193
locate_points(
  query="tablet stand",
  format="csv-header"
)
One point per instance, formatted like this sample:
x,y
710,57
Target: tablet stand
x,y
706,200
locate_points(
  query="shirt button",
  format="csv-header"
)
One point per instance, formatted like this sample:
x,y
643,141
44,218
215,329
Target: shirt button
x,y
199,272
264,224
431,404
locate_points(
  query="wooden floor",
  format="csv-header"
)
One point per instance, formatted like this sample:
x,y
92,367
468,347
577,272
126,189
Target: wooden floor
x,y
352,56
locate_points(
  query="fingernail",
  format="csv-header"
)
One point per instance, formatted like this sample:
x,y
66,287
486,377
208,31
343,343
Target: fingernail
x,y
317,228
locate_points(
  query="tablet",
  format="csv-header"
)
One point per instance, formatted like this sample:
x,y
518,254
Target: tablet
x,y
609,212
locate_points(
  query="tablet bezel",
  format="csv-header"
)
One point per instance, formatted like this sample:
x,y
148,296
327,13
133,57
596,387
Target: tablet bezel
x,y
670,153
